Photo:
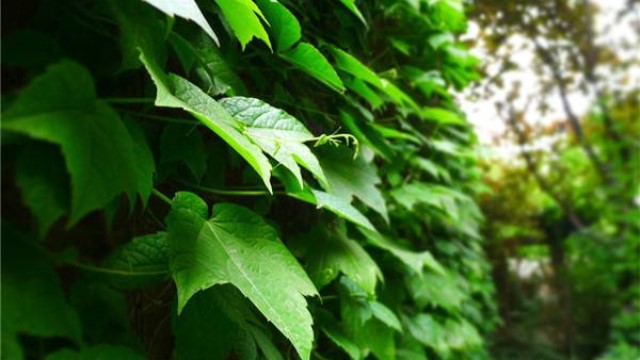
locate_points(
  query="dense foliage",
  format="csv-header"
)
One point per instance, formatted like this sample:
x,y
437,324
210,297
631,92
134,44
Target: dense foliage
x,y
239,180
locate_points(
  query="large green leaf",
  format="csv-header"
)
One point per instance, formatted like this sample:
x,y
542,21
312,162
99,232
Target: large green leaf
x,y
61,107
32,299
236,246
277,133
310,60
350,177
187,9
176,92
242,16
331,252
141,262
284,27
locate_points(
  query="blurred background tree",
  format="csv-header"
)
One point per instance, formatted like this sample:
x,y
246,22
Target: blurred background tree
x,y
563,220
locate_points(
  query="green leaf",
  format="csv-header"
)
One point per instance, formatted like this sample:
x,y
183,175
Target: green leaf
x,y
203,329
310,60
236,246
331,252
32,299
197,54
143,161
242,16
187,9
284,27
416,261
361,88
436,289
176,92
103,311
351,6
350,177
44,184
330,327
141,262
428,331
385,315
350,64
341,207
277,133
265,344
180,143
61,107
97,352
442,116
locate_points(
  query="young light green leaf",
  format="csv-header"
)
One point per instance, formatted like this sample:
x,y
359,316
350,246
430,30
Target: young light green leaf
x,y
61,107
176,92
310,60
442,116
187,9
277,133
333,252
284,27
236,246
242,16
348,177
141,262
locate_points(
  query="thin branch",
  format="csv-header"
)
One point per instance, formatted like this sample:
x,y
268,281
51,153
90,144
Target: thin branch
x,y
549,60
533,170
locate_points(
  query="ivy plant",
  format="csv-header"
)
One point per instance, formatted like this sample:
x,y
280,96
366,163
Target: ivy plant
x,y
240,180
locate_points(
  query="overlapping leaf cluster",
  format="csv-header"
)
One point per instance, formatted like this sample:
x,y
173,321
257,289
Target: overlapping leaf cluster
x,y
322,182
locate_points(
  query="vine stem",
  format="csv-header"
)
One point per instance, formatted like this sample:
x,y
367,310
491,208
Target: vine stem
x,y
115,271
233,192
161,118
162,196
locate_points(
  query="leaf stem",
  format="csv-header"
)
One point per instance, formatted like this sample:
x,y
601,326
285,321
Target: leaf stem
x,y
161,118
162,196
233,192
115,271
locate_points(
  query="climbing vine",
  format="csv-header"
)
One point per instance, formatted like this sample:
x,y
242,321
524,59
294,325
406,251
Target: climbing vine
x,y
240,180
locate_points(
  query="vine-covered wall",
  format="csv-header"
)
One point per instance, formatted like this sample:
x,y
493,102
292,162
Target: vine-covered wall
x,y
239,179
